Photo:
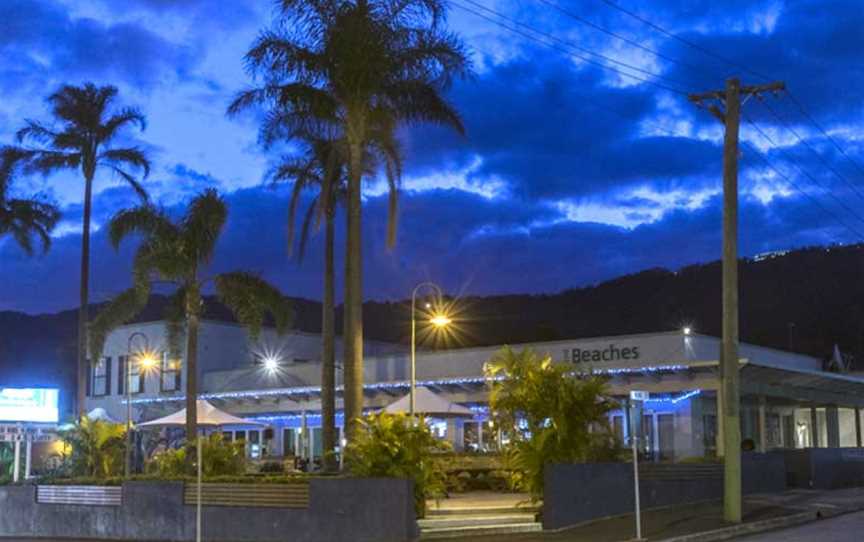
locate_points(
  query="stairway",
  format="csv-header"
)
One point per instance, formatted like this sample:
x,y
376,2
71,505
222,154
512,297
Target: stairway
x,y
502,514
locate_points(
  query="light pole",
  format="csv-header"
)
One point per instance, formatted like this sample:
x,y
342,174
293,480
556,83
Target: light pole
x,y
439,320
145,361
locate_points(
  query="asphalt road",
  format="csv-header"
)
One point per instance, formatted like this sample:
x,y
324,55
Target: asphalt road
x,y
846,528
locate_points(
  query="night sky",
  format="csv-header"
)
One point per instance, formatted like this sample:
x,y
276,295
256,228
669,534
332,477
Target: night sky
x,y
569,174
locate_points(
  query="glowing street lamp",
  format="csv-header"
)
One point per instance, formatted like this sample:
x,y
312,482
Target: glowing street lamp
x,y
439,320
271,364
146,360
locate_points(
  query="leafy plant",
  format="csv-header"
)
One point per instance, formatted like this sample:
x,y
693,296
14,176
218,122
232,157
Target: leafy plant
x,y
397,446
177,252
95,448
551,415
220,458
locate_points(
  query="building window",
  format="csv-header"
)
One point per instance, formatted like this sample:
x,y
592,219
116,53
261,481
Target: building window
x,y
101,385
289,447
135,376
169,374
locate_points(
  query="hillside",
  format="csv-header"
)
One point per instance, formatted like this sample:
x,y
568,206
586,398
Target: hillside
x,y
804,300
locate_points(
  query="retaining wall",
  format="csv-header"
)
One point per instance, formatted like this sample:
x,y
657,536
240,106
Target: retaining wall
x,y
364,510
581,492
825,468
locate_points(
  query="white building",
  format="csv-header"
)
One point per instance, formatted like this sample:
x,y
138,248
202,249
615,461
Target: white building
x,y
788,400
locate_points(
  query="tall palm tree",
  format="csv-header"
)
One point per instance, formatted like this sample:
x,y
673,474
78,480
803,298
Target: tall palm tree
x,y
361,69
322,167
175,251
23,219
81,137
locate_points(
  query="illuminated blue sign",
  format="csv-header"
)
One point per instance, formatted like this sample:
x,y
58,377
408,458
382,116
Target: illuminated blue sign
x,y
29,405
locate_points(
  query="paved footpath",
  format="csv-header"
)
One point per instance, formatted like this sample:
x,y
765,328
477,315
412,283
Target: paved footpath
x,y
847,528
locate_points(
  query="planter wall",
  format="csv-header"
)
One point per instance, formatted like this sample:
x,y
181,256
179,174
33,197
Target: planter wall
x,y
825,468
583,492
362,510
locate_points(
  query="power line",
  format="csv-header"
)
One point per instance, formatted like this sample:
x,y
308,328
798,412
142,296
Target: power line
x,y
798,188
824,132
733,63
801,170
625,39
809,146
569,45
685,41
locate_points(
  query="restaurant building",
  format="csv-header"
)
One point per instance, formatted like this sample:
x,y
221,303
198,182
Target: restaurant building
x,y
788,400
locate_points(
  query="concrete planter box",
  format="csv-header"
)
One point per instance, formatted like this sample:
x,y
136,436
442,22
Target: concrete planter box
x,y
362,510
825,468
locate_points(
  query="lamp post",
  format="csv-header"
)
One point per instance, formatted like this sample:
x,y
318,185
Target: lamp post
x,y
145,361
439,320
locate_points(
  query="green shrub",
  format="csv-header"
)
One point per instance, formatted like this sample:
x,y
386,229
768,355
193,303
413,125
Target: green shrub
x,y
271,467
397,446
96,449
550,415
220,457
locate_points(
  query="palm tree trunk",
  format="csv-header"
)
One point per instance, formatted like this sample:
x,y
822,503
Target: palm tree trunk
x,y
353,336
193,307
84,299
328,333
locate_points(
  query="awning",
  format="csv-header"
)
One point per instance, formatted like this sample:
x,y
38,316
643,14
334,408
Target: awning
x,y
803,386
208,415
429,403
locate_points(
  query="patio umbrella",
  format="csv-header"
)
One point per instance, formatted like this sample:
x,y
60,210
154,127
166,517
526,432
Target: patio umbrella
x,y
208,416
430,403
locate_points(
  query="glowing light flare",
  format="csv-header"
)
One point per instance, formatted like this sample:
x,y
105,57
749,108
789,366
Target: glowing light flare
x,y
440,320
147,360
271,364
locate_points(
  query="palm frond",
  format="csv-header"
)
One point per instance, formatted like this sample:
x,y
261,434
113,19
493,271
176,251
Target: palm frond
x,y
47,162
203,223
35,131
118,311
132,156
144,220
127,115
251,298
26,219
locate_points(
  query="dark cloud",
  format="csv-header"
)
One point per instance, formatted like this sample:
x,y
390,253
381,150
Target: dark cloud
x,y
42,44
465,242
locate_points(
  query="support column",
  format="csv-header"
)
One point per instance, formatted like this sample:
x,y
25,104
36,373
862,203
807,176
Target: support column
x,y
858,426
719,425
814,428
832,426
763,435
28,458
16,462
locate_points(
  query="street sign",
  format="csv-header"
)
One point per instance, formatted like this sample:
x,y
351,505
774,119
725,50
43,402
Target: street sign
x,y
638,395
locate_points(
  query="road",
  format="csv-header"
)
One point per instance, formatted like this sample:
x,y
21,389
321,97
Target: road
x,y
846,528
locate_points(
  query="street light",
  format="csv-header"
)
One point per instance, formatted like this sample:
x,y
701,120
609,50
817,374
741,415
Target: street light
x,y
438,320
146,361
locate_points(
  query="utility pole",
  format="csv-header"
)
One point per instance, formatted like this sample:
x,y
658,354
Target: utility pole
x,y
726,106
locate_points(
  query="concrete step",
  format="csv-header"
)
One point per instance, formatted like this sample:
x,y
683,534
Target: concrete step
x,y
481,530
474,520
484,510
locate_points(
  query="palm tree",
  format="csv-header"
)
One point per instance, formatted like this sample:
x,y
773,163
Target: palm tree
x,y
322,167
23,219
175,251
360,69
81,138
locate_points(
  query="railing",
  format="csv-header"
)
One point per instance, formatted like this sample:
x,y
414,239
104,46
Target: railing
x,y
294,495
90,495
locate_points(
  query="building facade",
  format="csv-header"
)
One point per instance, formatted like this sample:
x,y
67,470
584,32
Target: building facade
x,y
787,400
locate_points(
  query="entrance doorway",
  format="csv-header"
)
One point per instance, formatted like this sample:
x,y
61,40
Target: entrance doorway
x,y
666,436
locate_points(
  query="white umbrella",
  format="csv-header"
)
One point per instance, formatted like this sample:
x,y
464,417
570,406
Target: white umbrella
x,y
207,414
429,403
102,415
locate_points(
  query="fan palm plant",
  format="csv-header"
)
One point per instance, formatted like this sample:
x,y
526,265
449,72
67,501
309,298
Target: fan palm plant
x,y
23,219
82,138
175,251
361,69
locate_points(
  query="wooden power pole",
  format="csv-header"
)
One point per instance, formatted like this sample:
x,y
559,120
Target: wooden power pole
x,y
726,105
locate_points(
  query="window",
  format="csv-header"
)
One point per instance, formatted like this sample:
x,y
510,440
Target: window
x,y
169,374
135,377
288,444
101,384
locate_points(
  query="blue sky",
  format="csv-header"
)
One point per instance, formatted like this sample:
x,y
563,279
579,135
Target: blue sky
x,y
569,173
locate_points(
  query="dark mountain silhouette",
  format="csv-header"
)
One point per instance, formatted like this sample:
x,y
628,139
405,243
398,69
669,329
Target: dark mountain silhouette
x,y
805,300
